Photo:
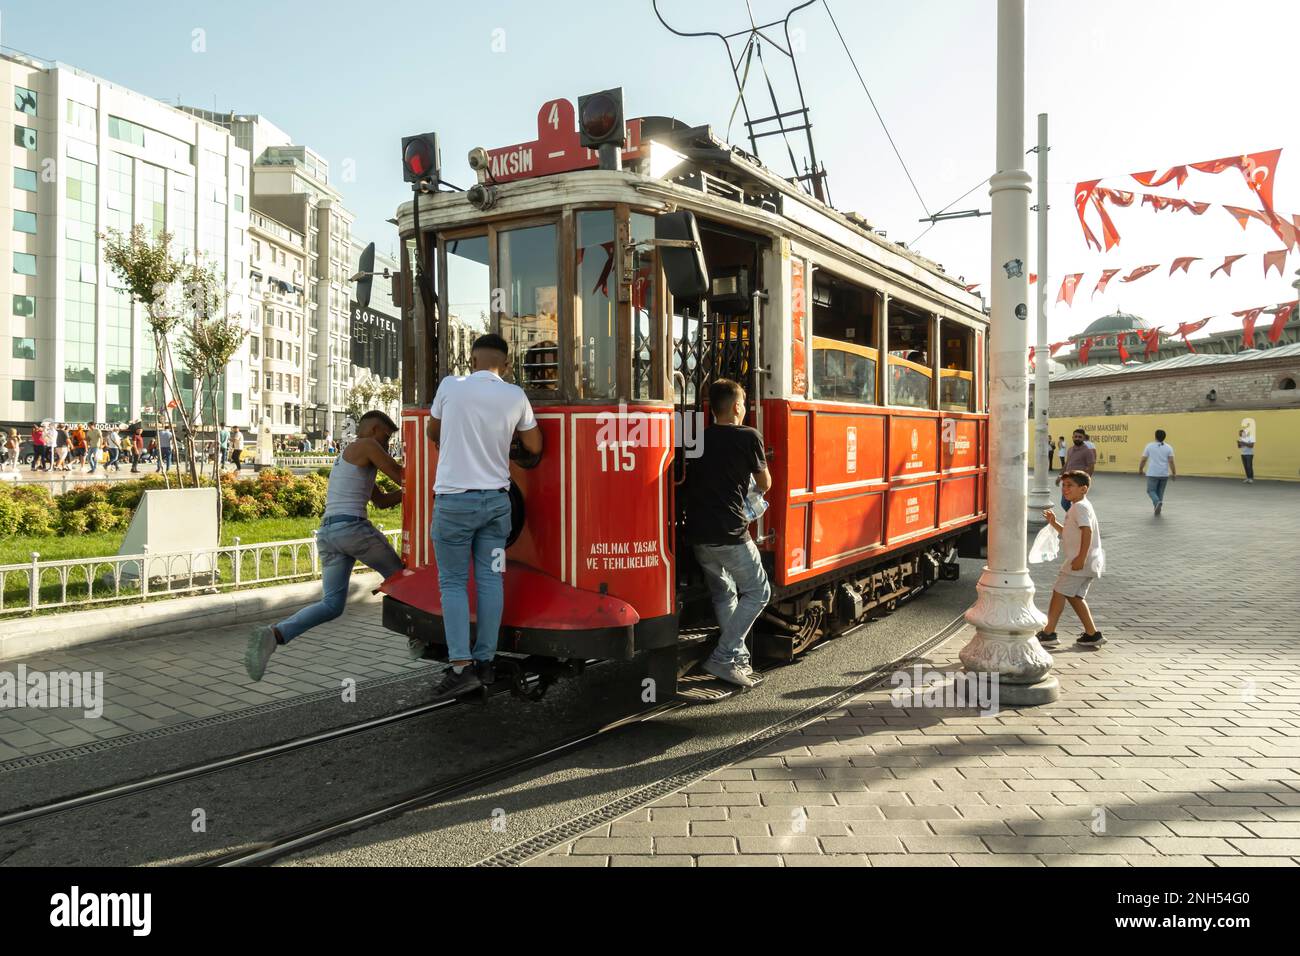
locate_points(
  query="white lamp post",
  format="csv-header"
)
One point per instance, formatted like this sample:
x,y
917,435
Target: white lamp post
x,y
1004,615
1040,495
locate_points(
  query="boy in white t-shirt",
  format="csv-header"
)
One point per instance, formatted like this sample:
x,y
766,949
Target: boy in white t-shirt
x,y
1158,465
1083,561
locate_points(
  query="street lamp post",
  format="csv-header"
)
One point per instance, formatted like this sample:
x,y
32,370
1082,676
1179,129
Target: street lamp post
x,y
1040,497
1004,614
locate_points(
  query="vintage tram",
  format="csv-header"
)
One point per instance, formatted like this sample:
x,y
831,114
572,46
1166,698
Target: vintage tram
x,y
864,364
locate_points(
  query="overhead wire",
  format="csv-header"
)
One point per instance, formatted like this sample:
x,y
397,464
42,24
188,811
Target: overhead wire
x,y
949,206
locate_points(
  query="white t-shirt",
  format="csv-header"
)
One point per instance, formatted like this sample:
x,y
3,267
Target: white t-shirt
x,y
1158,457
1081,515
1248,448
480,414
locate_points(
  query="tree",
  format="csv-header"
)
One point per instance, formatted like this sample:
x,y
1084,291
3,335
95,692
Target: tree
x,y
360,398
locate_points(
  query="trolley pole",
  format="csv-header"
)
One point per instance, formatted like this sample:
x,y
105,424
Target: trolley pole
x,y
1040,496
1004,615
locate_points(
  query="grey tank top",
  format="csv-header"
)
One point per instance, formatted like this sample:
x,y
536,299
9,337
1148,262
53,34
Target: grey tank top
x,y
349,489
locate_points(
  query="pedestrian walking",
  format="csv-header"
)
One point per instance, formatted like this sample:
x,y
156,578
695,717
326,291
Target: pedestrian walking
x,y
92,445
77,444
38,447
473,421
346,536
236,447
718,483
1246,448
1051,452
223,444
137,449
1079,457
165,441
50,432
1083,561
1061,449
110,450
61,448
1158,465
12,447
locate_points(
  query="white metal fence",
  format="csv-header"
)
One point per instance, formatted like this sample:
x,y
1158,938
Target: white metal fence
x,y
80,583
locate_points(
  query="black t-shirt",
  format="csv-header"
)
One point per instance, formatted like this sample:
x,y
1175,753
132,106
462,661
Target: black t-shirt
x,y
717,481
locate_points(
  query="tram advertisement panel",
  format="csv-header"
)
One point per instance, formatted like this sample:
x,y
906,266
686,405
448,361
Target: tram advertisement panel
x,y
619,484
912,448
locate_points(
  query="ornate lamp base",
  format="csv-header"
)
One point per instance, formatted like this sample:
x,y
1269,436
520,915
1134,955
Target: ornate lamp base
x,y
1006,620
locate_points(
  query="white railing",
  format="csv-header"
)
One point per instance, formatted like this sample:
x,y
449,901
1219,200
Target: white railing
x,y
303,461
80,583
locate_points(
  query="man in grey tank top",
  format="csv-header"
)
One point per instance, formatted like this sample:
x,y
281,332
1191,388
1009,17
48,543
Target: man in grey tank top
x,y
346,536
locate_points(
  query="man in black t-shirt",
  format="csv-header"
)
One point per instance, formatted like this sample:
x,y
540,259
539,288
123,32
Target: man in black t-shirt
x,y
718,484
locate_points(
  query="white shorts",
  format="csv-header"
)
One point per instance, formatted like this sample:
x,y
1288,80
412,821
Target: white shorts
x,y
1072,584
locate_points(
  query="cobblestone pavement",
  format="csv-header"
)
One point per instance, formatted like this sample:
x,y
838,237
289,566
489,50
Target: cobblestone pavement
x,y
1177,743
153,683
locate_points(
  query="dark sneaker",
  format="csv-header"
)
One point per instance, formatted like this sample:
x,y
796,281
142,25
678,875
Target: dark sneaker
x,y
1090,640
453,684
1159,505
729,672
487,672
261,645
1045,638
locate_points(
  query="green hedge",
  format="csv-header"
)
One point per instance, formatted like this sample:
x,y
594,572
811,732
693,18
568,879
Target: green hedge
x,y
273,493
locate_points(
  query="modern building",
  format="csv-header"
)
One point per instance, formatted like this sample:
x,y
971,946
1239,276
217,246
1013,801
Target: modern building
x,y
85,156
277,306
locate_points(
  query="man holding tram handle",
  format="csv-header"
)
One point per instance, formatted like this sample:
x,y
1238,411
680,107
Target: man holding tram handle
x,y
474,420
717,525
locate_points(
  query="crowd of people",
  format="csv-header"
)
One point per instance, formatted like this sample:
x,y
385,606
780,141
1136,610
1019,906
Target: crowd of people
x,y
88,446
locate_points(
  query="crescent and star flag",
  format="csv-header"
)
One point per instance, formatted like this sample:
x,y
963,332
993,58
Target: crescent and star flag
x,y
1139,272
1083,194
1106,276
1248,319
1226,268
1083,352
1187,328
1123,352
1279,322
1183,262
1068,285
1151,339
1257,168
1277,259
1149,178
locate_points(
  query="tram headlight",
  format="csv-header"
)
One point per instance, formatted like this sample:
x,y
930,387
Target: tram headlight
x,y
482,197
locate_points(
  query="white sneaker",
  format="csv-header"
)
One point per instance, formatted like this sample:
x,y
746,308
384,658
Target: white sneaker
x,y
731,673
261,645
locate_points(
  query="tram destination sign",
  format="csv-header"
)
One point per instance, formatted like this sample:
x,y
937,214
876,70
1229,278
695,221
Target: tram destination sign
x,y
557,149
376,341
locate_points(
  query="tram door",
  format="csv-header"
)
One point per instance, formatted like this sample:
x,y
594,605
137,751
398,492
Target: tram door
x,y
713,338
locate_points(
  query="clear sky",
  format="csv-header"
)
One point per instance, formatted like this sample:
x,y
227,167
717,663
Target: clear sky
x,y
1129,86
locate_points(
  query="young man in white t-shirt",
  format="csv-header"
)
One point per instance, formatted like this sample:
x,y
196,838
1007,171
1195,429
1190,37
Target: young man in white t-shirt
x,y
1082,561
473,421
1246,446
1158,465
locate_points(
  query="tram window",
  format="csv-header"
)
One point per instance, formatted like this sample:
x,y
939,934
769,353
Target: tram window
x,y
469,300
844,352
645,312
594,321
910,374
528,275
956,361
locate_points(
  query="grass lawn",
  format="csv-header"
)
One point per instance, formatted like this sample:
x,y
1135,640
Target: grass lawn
x,y
78,582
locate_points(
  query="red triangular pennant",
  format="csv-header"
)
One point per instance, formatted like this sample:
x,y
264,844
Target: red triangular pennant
x,y
1123,352
1151,339
1279,322
1083,352
1248,319
1106,276
1149,178
1083,194
1277,259
1243,216
1187,328
1068,285
1183,262
1226,268
1139,272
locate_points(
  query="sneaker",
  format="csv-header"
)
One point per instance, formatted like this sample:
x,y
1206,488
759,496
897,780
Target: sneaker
x,y
415,648
487,672
261,645
453,684
1090,640
746,667
1159,505
1045,638
730,672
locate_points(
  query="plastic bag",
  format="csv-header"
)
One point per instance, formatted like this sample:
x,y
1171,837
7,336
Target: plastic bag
x,y
1046,546
755,503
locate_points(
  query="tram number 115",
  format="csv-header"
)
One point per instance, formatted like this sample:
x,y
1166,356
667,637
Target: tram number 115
x,y
616,457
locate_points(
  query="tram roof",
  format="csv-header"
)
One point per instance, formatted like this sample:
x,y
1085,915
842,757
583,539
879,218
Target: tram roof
x,y
693,168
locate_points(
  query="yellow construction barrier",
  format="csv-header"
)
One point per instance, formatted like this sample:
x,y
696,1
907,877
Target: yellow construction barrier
x,y
1205,443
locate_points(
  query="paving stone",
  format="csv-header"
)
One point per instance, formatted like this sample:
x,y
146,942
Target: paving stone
x,y
656,860
694,846
606,846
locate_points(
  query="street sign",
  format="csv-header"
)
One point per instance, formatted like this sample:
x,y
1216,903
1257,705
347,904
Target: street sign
x,y
557,149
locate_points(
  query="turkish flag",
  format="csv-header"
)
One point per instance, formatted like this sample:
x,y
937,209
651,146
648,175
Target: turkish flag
x,y
1248,319
1149,178
1123,352
1031,356
1226,268
1157,203
1257,168
972,287
1068,285
1083,352
1139,272
1187,328
1108,231
1083,194
1195,208
1279,322
1119,197
1053,349
1151,339
1277,259
1243,216
1284,230
1183,262
1106,276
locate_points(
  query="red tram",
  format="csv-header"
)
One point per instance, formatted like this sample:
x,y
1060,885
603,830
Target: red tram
x,y
864,363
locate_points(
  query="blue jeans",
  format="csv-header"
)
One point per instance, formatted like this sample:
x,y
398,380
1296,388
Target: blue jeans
x,y
341,542
471,524
1156,489
740,591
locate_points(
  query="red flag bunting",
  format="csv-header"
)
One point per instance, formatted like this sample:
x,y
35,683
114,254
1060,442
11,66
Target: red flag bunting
x,y
1053,349
1187,328
1083,194
1108,231
1151,339
1149,178
1183,262
1123,352
1119,197
1084,351
1248,319
1033,277
1277,259
1257,168
1139,272
1279,322
1106,276
1068,285
1032,350
972,287
1243,216
1226,268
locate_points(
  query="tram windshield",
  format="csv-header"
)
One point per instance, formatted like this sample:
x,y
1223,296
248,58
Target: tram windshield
x,y
469,299
528,276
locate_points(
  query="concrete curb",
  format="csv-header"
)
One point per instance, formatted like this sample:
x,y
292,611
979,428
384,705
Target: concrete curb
x,y
26,637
